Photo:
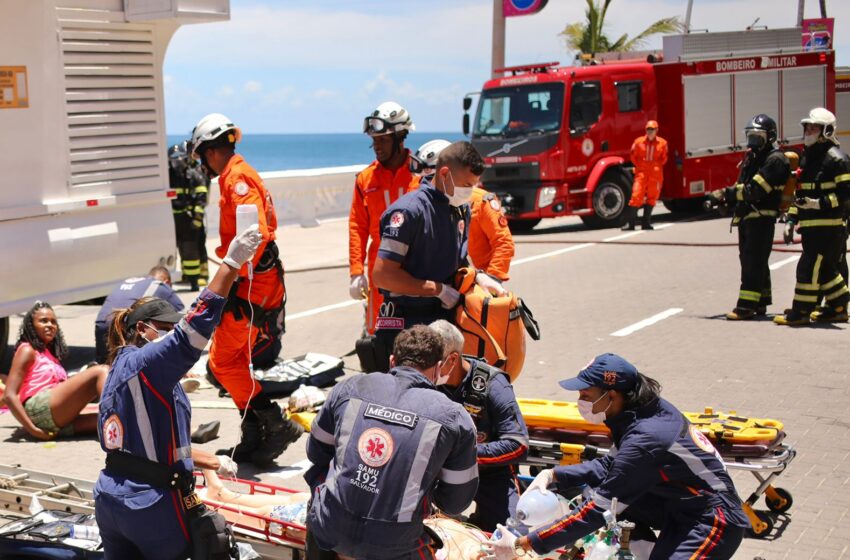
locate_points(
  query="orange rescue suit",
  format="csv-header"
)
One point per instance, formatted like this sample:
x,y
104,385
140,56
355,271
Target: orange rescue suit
x,y
649,158
491,245
375,189
239,184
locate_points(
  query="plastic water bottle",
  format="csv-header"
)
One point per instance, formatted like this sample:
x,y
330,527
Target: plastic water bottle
x,y
85,532
536,508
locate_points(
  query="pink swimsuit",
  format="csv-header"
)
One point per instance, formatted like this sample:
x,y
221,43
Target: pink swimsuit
x,y
45,373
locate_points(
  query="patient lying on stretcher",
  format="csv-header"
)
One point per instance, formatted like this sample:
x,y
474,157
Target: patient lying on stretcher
x,y
460,541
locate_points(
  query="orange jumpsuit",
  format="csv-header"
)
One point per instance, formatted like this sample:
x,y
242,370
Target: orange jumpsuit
x,y
649,159
239,184
491,246
375,188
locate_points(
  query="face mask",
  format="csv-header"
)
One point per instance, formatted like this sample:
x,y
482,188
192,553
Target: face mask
x,y
756,140
159,333
439,378
810,139
585,408
461,194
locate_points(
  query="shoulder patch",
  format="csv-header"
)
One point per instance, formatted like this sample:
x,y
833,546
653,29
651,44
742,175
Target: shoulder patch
x,y
503,221
241,188
113,433
700,440
479,382
396,219
495,204
391,415
375,447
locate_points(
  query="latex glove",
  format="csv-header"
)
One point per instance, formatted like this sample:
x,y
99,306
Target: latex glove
x,y
490,284
243,247
449,296
542,481
807,203
788,233
227,467
503,547
359,287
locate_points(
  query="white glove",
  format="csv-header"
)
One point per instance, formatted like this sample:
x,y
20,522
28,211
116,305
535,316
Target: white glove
x,y
227,467
719,195
501,548
807,203
490,284
243,247
449,296
542,481
358,287
788,233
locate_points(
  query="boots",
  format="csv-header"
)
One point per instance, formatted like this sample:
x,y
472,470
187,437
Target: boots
x,y
792,318
829,315
741,314
647,214
631,216
276,433
249,441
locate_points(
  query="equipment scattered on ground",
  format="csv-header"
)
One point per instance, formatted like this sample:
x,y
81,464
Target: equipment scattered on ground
x,y
317,370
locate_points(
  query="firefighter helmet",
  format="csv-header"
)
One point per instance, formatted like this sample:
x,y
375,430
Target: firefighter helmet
x,y
424,161
388,118
761,126
178,151
211,128
824,118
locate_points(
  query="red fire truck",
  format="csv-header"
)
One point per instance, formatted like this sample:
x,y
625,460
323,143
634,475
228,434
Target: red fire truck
x,y
557,139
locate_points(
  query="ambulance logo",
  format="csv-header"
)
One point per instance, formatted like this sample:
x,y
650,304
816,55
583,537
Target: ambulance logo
x,y
396,219
113,433
701,441
375,447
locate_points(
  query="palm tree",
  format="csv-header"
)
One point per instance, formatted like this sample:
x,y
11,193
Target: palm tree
x,y
587,37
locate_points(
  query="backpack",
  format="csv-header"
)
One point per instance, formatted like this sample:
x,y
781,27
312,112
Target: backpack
x,y
493,328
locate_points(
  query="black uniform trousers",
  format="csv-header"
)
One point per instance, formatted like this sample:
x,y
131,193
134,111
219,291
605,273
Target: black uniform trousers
x,y
412,315
755,242
188,245
818,276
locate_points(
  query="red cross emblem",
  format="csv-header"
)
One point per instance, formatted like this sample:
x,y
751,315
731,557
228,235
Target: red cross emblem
x,y
375,448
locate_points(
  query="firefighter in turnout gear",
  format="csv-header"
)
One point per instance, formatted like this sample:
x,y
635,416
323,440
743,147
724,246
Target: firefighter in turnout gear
x,y
756,199
823,195
190,187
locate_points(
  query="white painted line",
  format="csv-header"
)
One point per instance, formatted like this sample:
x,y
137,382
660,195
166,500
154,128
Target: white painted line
x,y
292,471
783,262
322,309
551,254
622,236
647,322
662,226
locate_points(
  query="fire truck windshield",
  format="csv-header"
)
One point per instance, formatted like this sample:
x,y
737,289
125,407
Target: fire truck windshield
x,y
521,110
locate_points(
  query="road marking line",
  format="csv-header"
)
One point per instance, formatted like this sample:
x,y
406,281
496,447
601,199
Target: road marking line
x,y
783,262
551,254
662,226
322,309
622,236
292,471
647,322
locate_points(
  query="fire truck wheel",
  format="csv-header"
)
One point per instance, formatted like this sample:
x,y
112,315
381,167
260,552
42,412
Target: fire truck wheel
x,y
4,340
523,226
685,206
610,199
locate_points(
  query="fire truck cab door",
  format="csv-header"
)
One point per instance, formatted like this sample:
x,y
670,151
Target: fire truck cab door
x,y
585,109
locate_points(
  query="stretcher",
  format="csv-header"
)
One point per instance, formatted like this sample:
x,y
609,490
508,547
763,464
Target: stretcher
x,y
560,436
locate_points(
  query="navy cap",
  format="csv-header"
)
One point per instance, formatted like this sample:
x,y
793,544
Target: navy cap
x,y
607,371
157,310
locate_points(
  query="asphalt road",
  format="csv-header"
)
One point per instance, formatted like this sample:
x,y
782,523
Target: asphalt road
x,y
655,297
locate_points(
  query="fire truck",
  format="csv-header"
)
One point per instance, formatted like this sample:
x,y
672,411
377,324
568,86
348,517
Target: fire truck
x,y
556,140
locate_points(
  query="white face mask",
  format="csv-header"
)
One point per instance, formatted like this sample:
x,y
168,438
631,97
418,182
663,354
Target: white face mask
x,y
461,194
810,139
159,333
439,378
585,408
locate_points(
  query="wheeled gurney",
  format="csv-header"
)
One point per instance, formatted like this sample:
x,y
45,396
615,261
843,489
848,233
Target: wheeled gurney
x,y
560,436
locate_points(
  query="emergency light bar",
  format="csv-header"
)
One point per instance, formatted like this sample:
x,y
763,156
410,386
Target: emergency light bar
x,y
540,68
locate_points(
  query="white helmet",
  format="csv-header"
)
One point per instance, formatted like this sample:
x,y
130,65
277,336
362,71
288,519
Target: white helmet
x,y
389,117
424,161
824,118
211,127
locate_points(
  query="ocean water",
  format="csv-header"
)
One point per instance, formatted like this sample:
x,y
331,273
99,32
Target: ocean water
x,y
280,152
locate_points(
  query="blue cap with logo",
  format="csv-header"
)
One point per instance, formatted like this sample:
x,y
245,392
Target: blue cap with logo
x,y
608,371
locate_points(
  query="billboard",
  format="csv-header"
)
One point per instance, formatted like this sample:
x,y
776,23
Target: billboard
x,y
817,34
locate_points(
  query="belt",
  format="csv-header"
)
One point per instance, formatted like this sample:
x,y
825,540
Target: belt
x,y
139,469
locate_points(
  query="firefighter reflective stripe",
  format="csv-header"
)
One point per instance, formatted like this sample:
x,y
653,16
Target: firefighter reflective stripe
x,y
192,267
196,339
749,296
760,213
605,504
832,283
180,191
806,299
394,247
764,184
202,189
317,432
812,186
843,177
697,467
739,192
151,289
450,476
793,211
833,200
837,293
199,209
413,487
822,222
143,421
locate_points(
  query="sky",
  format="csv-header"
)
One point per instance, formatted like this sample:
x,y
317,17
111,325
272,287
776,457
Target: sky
x,y
280,66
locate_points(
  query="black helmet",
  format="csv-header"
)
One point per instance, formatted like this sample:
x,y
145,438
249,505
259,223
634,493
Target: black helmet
x,y
764,124
178,151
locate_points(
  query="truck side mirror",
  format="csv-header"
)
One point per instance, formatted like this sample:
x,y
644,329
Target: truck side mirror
x,y
466,124
467,103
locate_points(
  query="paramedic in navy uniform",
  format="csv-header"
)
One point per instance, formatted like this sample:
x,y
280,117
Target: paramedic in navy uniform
x,y
144,417
664,473
423,243
384,448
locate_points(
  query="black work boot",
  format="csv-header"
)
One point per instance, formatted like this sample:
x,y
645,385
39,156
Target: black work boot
x,y
647,214
249,440
277,432
631,217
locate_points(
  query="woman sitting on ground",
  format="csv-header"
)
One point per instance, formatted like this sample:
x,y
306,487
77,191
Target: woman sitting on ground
x,y
39,392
